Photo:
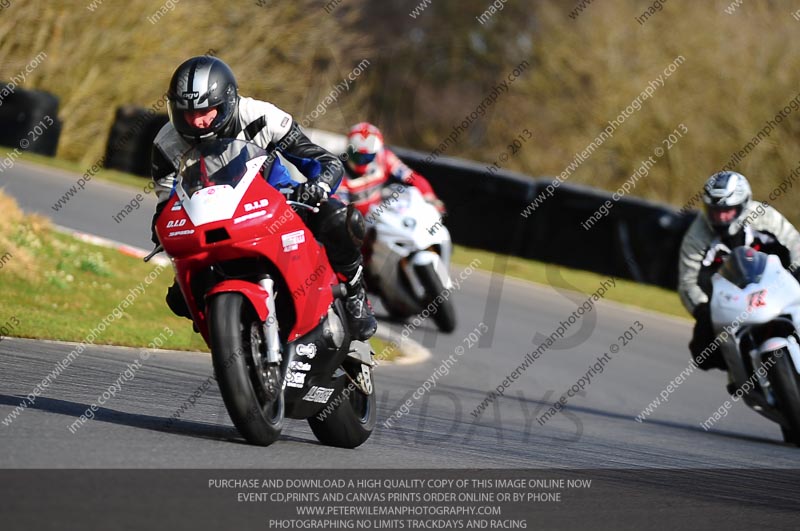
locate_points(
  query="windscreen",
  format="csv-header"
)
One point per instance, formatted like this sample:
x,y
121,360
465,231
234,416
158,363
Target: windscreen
x,y
744,266
217,162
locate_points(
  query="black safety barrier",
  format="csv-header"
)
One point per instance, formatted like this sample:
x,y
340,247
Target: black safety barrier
x,y
637,239
131,139
29,120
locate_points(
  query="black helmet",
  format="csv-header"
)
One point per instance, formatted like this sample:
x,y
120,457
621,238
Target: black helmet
x,y
201,84
726,196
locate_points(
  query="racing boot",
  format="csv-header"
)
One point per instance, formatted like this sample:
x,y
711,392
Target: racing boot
x,y
360,316
176,302
703,346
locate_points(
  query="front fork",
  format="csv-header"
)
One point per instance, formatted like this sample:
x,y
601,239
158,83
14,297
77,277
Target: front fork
x,y
271,324
422,259
271,370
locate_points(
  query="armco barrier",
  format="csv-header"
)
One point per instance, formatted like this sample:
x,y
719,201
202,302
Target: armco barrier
x,y
20,114
483,210
638,240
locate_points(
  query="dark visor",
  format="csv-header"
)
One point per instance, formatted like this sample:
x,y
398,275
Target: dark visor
x,y
361,159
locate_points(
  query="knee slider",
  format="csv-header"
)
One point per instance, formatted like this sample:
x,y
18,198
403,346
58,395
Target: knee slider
x,y
344,226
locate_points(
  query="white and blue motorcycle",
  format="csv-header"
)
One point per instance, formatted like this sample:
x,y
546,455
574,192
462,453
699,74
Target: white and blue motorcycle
x,y
755,311
408,253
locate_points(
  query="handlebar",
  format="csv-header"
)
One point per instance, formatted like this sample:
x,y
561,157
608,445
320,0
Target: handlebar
x,y
719,249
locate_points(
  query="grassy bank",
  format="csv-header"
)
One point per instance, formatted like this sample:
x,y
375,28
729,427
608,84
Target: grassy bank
x,y
102,56
55,287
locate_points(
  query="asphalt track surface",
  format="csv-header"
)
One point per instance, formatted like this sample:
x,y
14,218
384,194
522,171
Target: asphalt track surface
x,y
596,430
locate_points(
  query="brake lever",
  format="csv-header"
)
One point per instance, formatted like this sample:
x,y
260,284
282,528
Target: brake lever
x,y
297,203
159,248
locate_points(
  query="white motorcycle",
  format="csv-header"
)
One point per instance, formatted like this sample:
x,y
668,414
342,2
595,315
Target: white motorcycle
x,y
755,310
408,253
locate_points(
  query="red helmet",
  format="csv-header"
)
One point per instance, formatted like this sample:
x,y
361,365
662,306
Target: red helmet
x,y
364,141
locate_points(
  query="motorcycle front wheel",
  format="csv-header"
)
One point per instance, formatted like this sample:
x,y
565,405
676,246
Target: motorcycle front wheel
x,y
445,313
786,383
251,391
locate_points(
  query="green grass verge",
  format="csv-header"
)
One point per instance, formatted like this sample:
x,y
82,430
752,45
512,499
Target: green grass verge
x,y
378,346
69,287
626,292
56,287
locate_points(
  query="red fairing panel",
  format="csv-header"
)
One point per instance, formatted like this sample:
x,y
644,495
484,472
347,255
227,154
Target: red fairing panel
x,y
254,293
263,225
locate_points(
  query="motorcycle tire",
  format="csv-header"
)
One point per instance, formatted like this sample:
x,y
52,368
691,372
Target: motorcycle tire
x,y
397,312
351,423
445,314
237,339
786,383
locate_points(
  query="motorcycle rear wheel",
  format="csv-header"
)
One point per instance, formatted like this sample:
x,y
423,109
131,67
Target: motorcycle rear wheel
x,y
352,422
786,383
236,350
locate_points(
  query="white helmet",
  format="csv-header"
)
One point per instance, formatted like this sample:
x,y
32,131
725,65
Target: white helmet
x,y
364,142
726,197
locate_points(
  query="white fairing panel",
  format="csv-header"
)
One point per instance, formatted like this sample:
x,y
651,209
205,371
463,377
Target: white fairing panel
x,y
737,315
217,203
425,258
778,293
407,224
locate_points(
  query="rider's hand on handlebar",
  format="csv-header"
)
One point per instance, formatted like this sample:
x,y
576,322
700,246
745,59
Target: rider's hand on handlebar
x,y
436,202
716,253
312,193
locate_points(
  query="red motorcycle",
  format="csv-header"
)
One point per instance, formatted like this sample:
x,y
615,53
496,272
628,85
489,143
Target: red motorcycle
x,y
265,299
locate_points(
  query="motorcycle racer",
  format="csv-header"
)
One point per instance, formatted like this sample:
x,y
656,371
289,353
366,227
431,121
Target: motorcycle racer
x,y
203,104
370,166
731,218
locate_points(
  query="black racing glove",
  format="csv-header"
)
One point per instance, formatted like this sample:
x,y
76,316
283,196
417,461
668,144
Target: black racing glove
x,y
312,193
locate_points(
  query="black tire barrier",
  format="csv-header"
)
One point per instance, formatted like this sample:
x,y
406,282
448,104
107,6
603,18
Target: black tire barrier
x,y
29,120
131,139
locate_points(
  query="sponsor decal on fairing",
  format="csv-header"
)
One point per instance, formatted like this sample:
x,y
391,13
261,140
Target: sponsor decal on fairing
x,y
321,395
292,240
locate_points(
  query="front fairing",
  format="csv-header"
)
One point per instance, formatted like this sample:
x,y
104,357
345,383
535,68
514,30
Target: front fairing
x,y
227,212
776,293
404,222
